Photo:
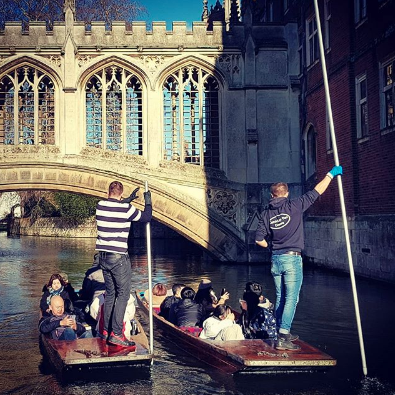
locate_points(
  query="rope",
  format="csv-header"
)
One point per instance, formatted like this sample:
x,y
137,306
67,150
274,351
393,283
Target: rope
x,y
92,353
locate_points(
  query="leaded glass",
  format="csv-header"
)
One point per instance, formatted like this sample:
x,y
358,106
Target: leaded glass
x,y
94,133
191,125
27,107
46,112
114,99
7,127
134,112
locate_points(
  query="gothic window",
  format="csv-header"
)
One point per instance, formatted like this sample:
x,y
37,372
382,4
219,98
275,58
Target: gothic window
x,y
27,107
191,117
114,99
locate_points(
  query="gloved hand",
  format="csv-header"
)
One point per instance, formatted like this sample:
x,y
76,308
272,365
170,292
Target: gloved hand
x,y
147,198
336,171
132,196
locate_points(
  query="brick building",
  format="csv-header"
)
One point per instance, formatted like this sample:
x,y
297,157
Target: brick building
x,y
359,42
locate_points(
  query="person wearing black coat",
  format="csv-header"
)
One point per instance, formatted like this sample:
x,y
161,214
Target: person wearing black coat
x,y
60,325
170,300
186,312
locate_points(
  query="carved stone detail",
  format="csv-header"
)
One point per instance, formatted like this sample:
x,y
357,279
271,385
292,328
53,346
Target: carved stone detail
x,y
228,63
115,156
152,62
224,202
55,60
84,59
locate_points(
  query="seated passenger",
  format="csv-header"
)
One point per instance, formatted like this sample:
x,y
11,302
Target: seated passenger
x,y
159,293
93,284
207,298
186,312
170,300
55,287
60,325
221,325
69,288
97,313
256,322
257,288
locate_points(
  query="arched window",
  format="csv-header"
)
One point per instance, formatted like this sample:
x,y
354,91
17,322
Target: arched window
x,y
114,99
310,152
27,107
191,117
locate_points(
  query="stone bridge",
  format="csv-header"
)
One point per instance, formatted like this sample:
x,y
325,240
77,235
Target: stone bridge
x,y
208,116
205,208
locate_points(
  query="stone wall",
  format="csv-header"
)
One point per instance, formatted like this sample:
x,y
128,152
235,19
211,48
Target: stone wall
x,y
56,227
372,249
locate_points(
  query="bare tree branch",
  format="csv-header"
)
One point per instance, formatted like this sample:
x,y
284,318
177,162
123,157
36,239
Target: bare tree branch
x,y
87,11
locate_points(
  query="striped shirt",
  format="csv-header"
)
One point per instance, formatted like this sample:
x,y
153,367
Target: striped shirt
x,y
113,220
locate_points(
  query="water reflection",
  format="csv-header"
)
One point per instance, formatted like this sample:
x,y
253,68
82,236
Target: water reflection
x,y
325,318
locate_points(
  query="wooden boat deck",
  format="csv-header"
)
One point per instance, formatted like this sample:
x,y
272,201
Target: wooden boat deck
x,y
94,352
255,354
244,355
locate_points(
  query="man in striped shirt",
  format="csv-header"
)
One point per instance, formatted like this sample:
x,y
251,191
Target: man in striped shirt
x,y
114,217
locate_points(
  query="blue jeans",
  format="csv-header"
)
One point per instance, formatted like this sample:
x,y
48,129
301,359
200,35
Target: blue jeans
x,y
70,334
287,271
117,272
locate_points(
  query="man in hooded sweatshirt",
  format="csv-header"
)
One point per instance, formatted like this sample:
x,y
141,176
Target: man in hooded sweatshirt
x,y
281,223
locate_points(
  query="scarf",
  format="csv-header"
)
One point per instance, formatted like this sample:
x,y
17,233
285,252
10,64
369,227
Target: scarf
x,y
53,292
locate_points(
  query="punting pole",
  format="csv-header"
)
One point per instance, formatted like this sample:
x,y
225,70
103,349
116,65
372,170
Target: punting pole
x,y
340,185
151,318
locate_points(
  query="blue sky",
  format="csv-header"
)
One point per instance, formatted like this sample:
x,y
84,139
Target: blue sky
x,y
173,10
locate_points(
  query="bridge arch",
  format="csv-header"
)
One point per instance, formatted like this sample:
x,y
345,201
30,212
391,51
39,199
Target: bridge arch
x,y
189,217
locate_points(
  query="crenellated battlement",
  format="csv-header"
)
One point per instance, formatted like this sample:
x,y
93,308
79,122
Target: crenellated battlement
x,y
138,36
99,34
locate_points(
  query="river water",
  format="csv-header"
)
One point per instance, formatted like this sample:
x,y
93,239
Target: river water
x,y
325,318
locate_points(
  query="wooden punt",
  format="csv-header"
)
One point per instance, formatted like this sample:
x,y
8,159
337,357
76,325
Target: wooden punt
x,y
92,353
243,356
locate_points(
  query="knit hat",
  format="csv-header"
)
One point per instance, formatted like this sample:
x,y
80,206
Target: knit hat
x,y
205,283
65,277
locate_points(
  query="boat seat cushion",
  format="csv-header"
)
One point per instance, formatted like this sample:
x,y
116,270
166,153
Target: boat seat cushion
x,y
193,330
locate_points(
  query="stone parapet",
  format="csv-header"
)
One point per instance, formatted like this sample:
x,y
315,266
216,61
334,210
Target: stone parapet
x,y
371,240
139,36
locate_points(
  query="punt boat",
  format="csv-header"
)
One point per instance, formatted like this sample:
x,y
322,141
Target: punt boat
x,y
72,355
241,356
